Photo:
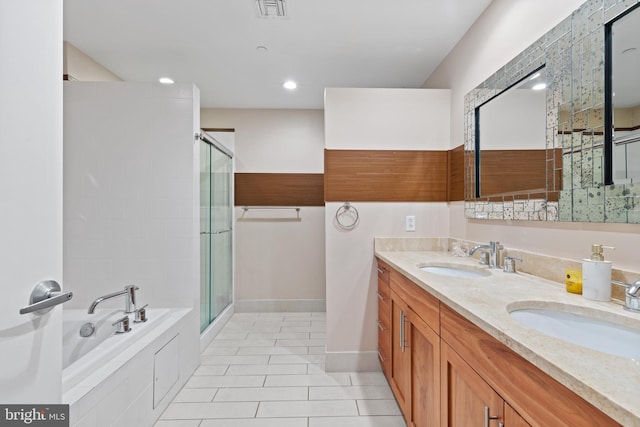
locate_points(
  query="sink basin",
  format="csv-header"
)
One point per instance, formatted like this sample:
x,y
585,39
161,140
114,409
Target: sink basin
x,y
453,270
583,330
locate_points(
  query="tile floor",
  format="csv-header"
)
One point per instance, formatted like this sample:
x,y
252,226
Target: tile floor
x,y
267,370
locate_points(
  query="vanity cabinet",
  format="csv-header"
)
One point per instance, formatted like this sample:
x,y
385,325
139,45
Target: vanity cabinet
x,y
445,371
415,352
384,318
530,396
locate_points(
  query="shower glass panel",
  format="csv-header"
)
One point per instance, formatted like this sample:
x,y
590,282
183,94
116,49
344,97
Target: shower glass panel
x,y
216,233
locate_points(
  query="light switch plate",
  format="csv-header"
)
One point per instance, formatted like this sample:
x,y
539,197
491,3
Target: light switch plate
x,y
410,223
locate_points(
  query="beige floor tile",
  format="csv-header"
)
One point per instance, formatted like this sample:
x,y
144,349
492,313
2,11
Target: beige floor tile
x,y
252,351
308,380
211,370
278,335
190,411
243,343
368,378
267,370
318,350
378,407
177,423
350,392
379,421
210,381
261,394
219,351
234,360
195,395
257,422
300,343
318,408
297,358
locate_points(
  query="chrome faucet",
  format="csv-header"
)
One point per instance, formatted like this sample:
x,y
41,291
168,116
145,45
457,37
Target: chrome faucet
x,y
129,302
631,295
490,254
484,253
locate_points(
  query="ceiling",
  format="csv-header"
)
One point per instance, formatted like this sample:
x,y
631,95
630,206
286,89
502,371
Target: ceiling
x,y
213,43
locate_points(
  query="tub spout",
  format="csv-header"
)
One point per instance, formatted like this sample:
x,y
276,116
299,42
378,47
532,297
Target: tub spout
x,y
129,295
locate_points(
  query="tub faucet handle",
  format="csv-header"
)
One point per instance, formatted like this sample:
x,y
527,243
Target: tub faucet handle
x,y
122,325
141,314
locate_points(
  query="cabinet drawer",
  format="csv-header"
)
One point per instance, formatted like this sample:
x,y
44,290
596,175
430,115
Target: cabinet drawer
x,y
384,350
383,271
423,303
384,310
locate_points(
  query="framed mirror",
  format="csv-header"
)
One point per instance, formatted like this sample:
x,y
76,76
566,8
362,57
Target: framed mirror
x,y
591,173
622,98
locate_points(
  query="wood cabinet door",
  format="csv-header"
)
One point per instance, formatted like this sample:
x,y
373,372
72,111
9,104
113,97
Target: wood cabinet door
x,y
512,418
466,399
425,373
400,354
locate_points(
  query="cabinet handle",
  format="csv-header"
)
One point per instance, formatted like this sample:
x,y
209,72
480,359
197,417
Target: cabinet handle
x,y
382,359
381,270
487,417
381,296
380,326
500,424
402,330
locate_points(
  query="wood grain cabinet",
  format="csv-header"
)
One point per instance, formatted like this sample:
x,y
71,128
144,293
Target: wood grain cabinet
x,y
415,353
447,372
384,318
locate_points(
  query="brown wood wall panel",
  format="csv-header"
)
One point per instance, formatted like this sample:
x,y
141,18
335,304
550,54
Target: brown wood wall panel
x,y
509,171
456,174
279,189
385,176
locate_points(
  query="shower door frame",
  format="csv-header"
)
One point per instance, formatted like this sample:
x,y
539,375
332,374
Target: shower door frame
x,y
216,145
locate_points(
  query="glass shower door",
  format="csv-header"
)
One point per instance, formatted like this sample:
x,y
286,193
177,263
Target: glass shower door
x,y
216,290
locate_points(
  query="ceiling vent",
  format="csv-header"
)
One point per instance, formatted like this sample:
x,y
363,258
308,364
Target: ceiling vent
x,y
271,8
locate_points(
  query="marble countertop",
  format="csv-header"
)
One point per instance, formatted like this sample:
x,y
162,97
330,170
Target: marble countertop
x,y
610,383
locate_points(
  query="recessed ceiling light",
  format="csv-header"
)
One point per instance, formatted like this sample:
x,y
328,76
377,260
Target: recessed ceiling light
x,y
290,84
539,86
166,80
271,8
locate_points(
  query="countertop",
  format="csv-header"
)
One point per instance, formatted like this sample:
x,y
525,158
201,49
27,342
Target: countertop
x,y
610,383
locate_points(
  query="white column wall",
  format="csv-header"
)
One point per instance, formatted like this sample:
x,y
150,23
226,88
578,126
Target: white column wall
x,y
30,197
503,31
280,265
402,119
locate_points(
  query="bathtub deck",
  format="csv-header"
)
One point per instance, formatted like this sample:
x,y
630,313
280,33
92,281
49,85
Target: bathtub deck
x,y
267,370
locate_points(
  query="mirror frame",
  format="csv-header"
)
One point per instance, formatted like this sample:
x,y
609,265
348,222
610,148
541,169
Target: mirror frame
x,y
574,55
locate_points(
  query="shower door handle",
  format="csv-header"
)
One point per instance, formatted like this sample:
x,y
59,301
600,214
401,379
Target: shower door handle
x,y
216,232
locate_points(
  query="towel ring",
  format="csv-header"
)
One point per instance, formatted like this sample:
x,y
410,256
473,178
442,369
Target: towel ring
x,y
347,209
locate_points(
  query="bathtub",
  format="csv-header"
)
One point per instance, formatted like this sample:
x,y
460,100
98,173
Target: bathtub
x,y
106,375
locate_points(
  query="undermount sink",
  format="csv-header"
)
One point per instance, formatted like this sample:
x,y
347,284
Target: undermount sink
x,y
452,270
585,330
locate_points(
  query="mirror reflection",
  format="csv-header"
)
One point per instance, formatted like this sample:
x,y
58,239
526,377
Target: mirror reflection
x,y
623,54
511,139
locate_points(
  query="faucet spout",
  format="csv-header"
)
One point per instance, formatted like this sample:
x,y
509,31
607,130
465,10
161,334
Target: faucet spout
x,y
130,299
475,248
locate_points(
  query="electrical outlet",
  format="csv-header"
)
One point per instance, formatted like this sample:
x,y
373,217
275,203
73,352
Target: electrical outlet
x,y
410,223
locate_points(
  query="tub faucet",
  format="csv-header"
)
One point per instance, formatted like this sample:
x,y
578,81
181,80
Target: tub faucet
x,y
129,302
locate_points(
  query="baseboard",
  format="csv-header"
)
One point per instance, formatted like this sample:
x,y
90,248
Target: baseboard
x,y
214,328
279,305
352,361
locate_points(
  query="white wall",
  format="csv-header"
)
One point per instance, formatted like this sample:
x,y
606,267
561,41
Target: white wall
x,y
504,30
79,66
131,195
280,264
30,197
403,119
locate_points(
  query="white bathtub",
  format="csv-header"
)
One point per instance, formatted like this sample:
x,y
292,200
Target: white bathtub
x,y
105,365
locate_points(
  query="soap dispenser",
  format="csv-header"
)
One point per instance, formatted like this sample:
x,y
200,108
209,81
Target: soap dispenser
x,y
596,275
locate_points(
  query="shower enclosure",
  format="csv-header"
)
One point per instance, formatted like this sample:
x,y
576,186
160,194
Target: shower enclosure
x,y
216,229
